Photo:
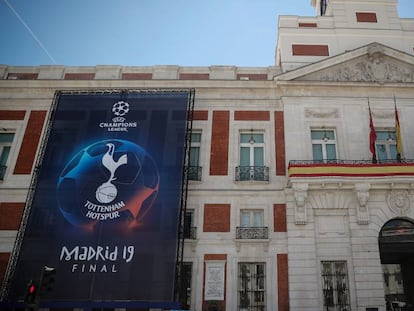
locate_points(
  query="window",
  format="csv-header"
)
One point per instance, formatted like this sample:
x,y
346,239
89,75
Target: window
x,y
6,140
251,225
251,149
251,286
394,287
251,218
323,145
335,286
189,229
252,158
386,145
185,285
194,172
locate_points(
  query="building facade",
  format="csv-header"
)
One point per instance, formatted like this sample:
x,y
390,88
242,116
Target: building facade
x,y
286,207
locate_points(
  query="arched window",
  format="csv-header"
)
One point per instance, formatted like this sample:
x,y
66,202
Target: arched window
x,y
398,227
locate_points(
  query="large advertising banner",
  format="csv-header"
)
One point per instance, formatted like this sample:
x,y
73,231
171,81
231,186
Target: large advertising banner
x,y
105,210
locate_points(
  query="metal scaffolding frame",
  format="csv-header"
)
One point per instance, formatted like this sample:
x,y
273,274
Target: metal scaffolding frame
x,y
34,180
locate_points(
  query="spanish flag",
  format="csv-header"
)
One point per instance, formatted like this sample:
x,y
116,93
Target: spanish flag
x,y
372,137
397,133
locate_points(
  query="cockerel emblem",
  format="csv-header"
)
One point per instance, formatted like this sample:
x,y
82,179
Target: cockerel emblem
x,y
107,192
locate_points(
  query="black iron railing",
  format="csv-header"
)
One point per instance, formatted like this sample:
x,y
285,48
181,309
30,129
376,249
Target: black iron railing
x,y
252,173
251,233
190,233
194,173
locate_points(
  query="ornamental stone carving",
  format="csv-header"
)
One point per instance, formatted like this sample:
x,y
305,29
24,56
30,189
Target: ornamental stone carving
x,y
373,67
399,202
300,191
362,194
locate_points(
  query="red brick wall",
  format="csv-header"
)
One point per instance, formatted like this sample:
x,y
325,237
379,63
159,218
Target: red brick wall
x,y
79,76
194,76
22,76
279,217
30,142
310,50
282,282
252,115
216,218
215,257
280,144
4,259
200,115
136,76
308,25
12,114
219,143
252,76
366,17
10,215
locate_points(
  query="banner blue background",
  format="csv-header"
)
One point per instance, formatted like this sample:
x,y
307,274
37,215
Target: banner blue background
x,y
105,210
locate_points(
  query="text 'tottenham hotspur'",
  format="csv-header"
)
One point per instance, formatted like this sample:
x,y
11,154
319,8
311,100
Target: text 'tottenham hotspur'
x,y
97,258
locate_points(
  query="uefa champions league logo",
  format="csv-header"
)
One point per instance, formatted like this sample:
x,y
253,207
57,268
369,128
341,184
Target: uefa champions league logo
x,y
112,180
119,123
120,109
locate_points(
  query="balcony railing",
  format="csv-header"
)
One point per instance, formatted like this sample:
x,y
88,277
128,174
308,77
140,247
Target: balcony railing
x,y
194,173
251,233
190,233
350,168
2,171
252,173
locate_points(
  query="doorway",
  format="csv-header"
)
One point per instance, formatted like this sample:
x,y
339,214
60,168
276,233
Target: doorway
x,y
396,244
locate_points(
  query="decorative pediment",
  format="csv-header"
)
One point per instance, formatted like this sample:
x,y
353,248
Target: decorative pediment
x,y
372,63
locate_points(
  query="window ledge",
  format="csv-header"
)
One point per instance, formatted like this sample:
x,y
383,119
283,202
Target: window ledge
x,y
192,243
264,242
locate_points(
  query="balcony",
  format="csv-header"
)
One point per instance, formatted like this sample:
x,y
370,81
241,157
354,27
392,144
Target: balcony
x,y
350,168
194,173
252,173
251,233
2,171
358,176
190,233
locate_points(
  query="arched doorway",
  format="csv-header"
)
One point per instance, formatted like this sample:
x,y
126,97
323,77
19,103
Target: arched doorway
x,y
396,244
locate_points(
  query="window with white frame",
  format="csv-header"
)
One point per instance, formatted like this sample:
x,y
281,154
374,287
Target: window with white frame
x,y
251,149
252,159
335,286
251,225
386,145
251,286
6,140
194,160
323,145
251,218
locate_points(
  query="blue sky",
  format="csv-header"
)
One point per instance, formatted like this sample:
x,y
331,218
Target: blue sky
x,y
146,32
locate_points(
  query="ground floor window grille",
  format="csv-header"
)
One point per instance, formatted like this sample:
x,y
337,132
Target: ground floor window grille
x,y
251,286
185,285
335,286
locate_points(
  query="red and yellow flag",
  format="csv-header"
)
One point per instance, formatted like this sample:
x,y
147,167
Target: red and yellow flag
x,y
372,137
